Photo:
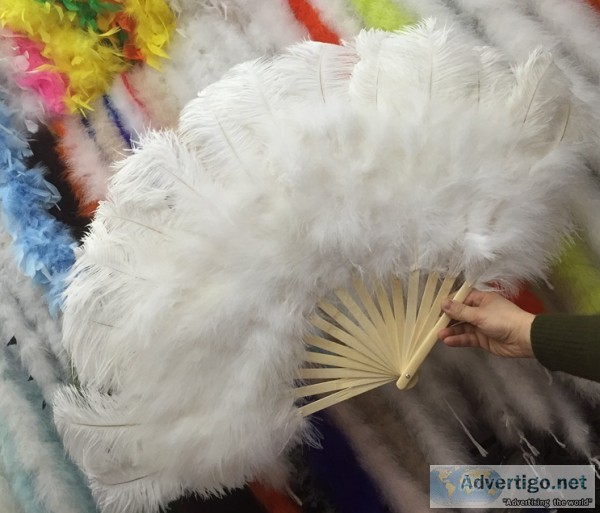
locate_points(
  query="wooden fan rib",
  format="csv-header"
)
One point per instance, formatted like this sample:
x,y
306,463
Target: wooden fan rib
x,y
342,362
374,315
373,338
423,350
412,298
359,344
436,307
375,335
386,332
363,339
343,350
338,397
398,305
385,306
426,300
337,373
334,385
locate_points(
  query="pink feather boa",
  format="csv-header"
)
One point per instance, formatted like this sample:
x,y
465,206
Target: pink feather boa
x,y
50,85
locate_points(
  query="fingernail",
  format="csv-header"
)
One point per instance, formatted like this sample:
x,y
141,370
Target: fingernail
x,y
447,304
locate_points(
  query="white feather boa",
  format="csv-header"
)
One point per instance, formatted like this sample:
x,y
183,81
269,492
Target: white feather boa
x,y
24,315
212,37
187,306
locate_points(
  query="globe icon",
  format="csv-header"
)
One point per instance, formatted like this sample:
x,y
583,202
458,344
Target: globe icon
x,y
461,486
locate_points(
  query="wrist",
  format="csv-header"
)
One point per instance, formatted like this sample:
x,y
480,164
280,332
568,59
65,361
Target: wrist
x,y
525,335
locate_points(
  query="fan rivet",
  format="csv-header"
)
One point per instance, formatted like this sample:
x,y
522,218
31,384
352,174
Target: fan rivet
x,y
407,376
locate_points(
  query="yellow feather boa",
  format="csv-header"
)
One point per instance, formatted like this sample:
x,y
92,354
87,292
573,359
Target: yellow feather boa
x,y
154,24
89,60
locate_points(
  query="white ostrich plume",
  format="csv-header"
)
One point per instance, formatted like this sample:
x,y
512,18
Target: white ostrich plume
x,y
399,161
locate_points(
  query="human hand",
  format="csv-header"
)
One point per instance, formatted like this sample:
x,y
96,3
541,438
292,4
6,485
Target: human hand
x,y
491,322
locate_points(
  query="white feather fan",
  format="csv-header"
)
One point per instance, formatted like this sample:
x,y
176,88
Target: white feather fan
x,y
188,305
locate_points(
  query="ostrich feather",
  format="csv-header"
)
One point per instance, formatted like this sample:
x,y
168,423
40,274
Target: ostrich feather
x,y
187,307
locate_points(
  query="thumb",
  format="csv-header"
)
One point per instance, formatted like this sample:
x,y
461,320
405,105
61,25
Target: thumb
x,y
459,311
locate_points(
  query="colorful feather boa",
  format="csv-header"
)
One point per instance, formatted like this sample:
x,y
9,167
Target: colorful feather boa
x,y
44,247
51,86
89,59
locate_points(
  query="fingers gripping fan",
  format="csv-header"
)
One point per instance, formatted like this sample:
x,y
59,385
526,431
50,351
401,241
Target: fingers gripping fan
x,y
304,221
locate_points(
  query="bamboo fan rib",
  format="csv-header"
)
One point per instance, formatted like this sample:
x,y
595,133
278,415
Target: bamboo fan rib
x,y
374,339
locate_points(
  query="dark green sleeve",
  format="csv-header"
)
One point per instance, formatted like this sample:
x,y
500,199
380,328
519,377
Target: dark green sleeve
x,y
568,343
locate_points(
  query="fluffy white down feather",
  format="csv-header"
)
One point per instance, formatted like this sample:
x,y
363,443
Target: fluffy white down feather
x,y
187,306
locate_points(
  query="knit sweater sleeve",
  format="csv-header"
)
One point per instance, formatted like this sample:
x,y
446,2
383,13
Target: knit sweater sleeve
x,y
568,343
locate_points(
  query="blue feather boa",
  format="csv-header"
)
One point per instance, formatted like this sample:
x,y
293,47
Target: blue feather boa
x,y
44,247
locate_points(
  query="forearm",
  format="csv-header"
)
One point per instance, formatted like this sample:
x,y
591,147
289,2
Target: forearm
x,y
568,343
